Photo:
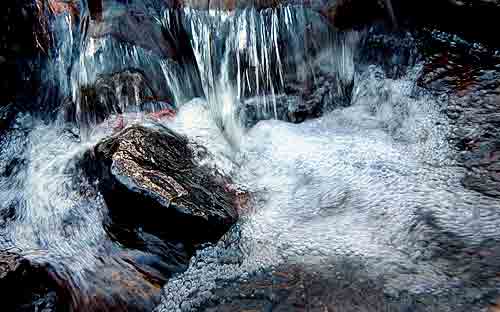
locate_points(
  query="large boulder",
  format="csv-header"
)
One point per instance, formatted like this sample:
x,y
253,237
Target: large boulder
x,y
25,286
153,186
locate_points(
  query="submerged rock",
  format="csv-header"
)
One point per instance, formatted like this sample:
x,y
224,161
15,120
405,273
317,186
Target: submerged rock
x,y
467,76
116,93
153,187
116,285
472,19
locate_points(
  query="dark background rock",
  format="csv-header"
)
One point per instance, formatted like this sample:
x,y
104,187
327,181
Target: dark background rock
x,y
22,41
473,19
118,93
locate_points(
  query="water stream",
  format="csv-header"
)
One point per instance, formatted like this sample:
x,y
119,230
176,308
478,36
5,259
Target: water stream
x,y
341,162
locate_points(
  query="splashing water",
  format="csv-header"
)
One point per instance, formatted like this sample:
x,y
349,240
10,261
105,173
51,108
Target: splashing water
x,y
357,183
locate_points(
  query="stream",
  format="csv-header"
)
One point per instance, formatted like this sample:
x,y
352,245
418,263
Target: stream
x,y
366,163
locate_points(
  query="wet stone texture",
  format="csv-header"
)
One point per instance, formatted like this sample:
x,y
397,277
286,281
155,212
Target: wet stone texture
x,y
117,285
24,285
341,285
468,77
298,288
150,174
117,93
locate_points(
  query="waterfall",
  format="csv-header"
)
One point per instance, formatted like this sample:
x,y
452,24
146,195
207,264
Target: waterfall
x,y
240,61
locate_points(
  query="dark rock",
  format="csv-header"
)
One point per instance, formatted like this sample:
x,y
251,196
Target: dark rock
x,y
7,115
162,206
347,14
95,8
394,52
21,41
26,286
111,94
467,75
152,184
131,25
344,286
472,19
118,284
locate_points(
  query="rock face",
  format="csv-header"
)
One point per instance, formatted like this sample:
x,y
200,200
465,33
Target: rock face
x,y
153,187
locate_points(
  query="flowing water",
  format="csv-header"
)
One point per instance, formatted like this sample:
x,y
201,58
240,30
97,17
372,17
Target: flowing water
x,y
364,173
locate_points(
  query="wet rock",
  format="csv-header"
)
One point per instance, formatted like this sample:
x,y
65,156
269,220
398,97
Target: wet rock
x,y
7,115
134,55
348,14
297,105
118,285
131,25
125,91
396,53
479,16
467,76
153,186
343,286
21,42
95,8
25,286
162,206
62,7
